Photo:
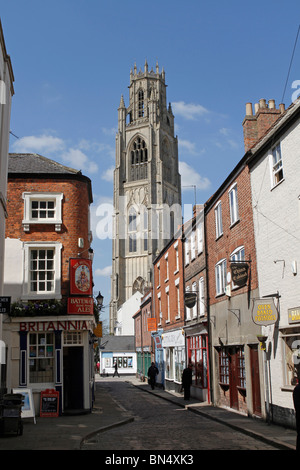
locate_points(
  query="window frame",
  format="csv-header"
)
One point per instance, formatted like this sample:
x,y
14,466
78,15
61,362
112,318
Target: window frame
x,y
233,204
220,273
278,162
30,197
27,294
218,219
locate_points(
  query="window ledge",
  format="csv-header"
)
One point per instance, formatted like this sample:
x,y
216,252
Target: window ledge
x,y
277,184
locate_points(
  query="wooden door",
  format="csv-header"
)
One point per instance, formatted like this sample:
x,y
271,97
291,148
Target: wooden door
x,y
256,400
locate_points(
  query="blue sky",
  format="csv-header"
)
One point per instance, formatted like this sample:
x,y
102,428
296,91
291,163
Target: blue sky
x,y
72,60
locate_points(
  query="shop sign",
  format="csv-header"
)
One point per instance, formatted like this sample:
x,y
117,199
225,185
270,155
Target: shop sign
x,y
80,305
49,403
98,330
294,315
151,324
37,326
80,276
264,312
239,273
190,299
5,304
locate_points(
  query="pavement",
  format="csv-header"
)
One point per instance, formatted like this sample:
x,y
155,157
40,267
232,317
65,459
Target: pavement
x,y
69,432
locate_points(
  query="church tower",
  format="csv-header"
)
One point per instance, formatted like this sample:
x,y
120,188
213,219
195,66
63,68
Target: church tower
x,y
147,185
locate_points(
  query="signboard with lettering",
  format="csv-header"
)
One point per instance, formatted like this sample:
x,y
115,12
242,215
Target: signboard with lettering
x,y
49,403
294,315
151,324
81,282
5,304
239,273
81,305
98,330
264,312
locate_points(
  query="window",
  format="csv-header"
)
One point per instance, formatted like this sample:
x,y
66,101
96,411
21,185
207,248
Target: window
x,y
178,297
194,309
72,338
186,251
141,103
42,273
241,368
176,258
41,270
42,208
277,169
138,160
201,297
292,357
233,204
220,271
167,267
224,367
41,357
168,305
188,310
145,230
132,230
200,238
193,246
158,276
218,220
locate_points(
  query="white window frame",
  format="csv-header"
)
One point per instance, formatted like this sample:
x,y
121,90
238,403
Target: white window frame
x,y
168,304
34,196
218,219
193,245
186,251
167,267
194,309
233,204
176,258
201,297
27,294
188,310
200,238
177,286
276,165
220,273
237,255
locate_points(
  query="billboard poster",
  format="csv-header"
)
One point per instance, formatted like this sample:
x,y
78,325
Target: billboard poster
x,y
81,282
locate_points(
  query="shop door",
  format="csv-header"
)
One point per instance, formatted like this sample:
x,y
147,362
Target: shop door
x,y
73,378
233,378
256,402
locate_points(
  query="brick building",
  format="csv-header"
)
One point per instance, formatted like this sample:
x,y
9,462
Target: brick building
x,y
48,274
196,322
143,340
236,364
168,298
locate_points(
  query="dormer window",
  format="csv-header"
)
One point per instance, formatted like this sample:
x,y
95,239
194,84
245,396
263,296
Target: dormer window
x,y
42,208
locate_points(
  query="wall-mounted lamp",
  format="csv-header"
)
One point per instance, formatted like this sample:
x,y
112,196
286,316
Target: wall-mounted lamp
x,y
99,300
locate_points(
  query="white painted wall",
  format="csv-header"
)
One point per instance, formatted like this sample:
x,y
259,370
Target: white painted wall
x,y
125,322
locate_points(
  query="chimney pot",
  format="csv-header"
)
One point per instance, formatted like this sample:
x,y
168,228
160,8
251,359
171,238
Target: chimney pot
x,y
249,111
262,103
256,107
272,104
282,107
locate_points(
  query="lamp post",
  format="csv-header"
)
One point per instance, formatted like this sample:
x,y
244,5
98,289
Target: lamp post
x,y
99,300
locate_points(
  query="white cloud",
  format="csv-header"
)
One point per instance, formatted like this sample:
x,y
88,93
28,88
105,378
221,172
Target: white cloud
x,y
108,174
189,111
190,177
38,144
79,160
105,272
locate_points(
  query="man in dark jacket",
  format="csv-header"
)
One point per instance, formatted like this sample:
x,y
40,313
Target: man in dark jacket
x,y
296,398
152,373
187,381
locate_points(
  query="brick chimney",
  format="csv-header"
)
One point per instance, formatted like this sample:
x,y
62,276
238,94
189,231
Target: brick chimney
x,y
256,125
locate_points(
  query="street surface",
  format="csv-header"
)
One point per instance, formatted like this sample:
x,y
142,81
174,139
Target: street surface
x,y
159,425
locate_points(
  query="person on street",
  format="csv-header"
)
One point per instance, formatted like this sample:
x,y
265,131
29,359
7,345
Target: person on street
x,y
296,399
187,381
152,373
116,370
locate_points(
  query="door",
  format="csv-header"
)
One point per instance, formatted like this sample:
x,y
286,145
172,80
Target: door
x,y
256,400
73,378
233,378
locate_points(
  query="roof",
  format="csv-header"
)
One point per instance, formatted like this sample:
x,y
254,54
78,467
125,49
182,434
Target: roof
x,y
118,343
34,163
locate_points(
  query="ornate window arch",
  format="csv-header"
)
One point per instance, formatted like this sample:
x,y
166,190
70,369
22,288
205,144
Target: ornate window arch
x,y
138,159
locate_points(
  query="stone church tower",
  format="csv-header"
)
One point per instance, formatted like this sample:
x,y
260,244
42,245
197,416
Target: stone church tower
x,y
147,185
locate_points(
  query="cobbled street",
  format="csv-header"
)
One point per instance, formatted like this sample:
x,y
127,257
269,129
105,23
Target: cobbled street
x,y
161,425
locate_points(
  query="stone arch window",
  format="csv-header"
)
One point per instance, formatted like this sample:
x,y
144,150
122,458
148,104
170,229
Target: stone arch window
x,y
140,103
138,285
138,160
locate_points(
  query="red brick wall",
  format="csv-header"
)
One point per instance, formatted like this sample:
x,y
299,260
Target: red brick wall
x,y
240,234
75,214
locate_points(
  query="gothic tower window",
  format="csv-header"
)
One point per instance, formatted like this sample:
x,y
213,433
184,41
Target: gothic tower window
x,y
139,160
132,230
141,103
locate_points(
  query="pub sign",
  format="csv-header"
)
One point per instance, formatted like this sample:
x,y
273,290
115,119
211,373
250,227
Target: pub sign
x,y
264,312
81,282
239,273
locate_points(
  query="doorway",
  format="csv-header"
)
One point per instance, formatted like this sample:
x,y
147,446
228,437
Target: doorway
x,y
256,400
73,378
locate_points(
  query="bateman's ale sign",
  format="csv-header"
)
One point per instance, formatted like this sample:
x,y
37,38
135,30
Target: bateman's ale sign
x,y
264,312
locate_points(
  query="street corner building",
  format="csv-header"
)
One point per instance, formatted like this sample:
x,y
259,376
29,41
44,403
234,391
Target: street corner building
x,y
48,331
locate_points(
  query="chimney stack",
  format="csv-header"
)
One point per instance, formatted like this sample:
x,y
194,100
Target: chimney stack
x,y
256,125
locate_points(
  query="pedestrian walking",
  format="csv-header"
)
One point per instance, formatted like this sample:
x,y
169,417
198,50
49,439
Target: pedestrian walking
x,y
116,370
296,399
187,381
152,373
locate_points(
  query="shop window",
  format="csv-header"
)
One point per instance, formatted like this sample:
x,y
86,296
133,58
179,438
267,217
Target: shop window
x,y
241,368
41,357
292,358
197,355
223,367
72,338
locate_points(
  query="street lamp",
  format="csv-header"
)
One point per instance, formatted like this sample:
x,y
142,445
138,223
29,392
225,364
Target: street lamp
x,y
99,300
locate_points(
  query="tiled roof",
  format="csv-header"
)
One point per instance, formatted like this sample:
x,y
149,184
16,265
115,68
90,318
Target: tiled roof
x,y
36,164
118,343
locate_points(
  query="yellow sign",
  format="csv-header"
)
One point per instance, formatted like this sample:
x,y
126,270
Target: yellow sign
x,y
294,315
264,312
98,330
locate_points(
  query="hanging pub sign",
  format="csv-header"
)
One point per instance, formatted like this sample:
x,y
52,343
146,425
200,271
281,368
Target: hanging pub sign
x,y
190,299
264,312
151,322
239,273
80,305
81,276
